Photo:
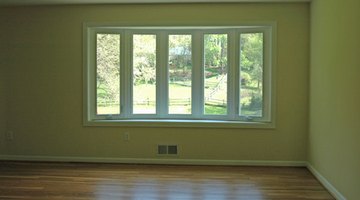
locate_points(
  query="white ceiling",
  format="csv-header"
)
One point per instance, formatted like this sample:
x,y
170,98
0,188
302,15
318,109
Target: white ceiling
x,y
63,2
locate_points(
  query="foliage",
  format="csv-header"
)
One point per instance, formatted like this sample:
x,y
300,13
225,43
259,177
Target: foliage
x,y
256,101
180,64
108,67
251,57
215,47
144,59
251,66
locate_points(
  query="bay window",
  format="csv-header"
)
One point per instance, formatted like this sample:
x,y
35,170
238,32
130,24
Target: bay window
x,y
179,76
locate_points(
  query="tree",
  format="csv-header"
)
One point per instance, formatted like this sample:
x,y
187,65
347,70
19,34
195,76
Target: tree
x,y
108,67
144,59
251,66
180,61
215,47
251,57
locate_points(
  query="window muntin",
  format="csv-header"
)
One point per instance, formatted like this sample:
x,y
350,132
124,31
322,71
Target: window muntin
x,y
234,111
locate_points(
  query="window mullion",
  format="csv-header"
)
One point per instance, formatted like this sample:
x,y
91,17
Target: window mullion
x,y
237,73
161,75
127,75
198,75
233,77
122,74
267,76
92,75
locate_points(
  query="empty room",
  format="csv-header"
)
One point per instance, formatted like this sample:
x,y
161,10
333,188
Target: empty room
x,y
172,99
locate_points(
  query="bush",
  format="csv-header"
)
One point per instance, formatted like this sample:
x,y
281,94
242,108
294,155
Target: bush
x,y
245,78
256,101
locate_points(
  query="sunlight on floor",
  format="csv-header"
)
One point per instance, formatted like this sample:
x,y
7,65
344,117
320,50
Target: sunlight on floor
x,y
148,189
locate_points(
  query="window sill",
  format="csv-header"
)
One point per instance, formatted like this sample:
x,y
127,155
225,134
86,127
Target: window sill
x,y
181,123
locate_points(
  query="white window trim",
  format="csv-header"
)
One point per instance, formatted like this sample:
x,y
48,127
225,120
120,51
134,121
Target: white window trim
x,y
162,119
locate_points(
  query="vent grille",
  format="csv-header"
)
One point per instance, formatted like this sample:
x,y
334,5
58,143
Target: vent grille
x,y
167,149
162,149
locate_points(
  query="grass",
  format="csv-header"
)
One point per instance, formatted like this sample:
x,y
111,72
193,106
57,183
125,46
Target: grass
x,y
215,110
145,96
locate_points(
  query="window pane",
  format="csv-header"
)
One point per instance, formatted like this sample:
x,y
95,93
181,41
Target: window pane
x,y
251,74
215,83
108,74
180,68
144,74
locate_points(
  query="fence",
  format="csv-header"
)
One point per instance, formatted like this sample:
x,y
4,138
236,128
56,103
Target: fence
x,y
172,102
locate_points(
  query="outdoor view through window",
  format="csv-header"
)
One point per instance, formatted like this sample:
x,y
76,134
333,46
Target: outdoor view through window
x,y
180,74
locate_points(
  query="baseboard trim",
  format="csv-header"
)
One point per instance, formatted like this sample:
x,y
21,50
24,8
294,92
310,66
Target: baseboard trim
x,y
172,161
325,183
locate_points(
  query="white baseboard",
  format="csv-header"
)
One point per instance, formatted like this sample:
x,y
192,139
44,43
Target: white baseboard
x,y
325,183
174,161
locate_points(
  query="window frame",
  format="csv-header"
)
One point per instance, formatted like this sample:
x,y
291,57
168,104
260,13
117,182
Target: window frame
x,y
162,118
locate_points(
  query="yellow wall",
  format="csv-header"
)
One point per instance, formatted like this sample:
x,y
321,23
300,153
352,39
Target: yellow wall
x,y
45,102
3,95
334,142
2,111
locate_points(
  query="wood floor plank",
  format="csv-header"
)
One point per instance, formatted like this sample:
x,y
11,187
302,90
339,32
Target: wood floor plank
x,y
80,181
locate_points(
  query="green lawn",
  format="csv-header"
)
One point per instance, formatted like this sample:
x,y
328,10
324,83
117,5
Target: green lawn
x,y
180,101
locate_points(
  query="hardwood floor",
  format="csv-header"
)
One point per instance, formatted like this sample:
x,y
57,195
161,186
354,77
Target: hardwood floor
x,y
79,181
